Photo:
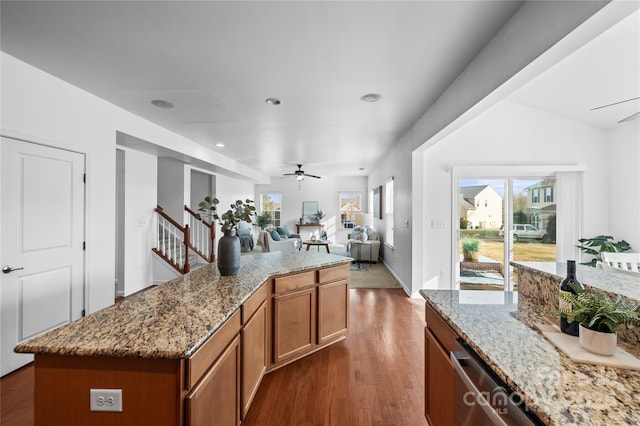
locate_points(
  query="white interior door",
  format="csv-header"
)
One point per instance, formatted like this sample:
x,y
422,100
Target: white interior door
x,y
42,227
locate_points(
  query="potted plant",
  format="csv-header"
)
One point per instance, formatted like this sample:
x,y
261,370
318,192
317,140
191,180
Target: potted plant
x,y
595,246
229,245
262,220
470,248
599,316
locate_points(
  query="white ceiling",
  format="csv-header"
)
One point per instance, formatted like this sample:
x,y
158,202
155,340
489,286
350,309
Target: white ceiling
x,y
217,62
605,71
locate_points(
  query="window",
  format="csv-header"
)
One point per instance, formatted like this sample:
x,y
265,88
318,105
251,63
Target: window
x,y
350,204
486,203
535,195
271,205
548,195
388,210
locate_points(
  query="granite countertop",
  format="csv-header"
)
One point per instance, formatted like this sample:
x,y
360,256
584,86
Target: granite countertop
x,y
610,281
559,391
173,319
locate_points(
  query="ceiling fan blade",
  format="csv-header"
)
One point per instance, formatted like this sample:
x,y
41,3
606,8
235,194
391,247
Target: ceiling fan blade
x,y
313,176
629,118
289,174
615,103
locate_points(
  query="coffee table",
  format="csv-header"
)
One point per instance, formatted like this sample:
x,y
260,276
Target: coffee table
x,y
318,243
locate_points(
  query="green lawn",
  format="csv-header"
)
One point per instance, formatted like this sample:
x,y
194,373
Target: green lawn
x,y
523,251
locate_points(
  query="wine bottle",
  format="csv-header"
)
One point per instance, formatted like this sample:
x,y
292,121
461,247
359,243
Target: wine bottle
x,y
565,287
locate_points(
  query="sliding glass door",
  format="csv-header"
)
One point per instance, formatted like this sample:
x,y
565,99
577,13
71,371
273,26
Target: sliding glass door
x,y
503,219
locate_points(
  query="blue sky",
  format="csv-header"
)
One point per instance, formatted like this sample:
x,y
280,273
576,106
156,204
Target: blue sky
x,y
519,185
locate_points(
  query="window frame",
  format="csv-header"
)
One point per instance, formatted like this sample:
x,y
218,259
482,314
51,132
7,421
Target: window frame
x,y
278,212
389,212
349,218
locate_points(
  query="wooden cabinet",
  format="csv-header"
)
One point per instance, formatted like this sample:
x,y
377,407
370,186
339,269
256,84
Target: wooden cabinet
x,y
215,399
254,341
310,311
284,320
294,319
439,373
213,378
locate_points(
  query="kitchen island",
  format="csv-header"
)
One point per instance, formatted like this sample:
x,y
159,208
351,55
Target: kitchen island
x,y
193,350
501,329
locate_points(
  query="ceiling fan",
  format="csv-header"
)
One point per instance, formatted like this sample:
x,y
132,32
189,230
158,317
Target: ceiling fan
x,y
300,174
624,120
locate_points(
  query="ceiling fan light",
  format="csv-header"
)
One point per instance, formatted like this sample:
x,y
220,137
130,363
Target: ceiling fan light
x,y
299,177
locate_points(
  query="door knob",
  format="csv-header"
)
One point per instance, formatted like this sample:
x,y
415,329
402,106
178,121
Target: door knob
x,y
6,269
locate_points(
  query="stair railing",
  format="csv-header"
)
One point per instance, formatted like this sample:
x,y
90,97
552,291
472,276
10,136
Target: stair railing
x,y
203,234
172,242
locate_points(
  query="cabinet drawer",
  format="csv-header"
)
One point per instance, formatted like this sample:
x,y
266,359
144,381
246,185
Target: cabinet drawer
x,y
440,329
204,357
296,281
334,273
253,303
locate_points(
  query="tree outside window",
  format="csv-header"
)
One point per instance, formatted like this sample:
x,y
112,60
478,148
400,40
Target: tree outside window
x,y
271,205
350,204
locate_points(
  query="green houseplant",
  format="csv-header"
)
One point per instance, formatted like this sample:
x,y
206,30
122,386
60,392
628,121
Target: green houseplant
x,y
470,248
228,220
229,245
262,220
599,316
595,246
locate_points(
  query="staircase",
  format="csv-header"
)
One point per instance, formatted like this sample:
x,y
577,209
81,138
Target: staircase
x,y
183,248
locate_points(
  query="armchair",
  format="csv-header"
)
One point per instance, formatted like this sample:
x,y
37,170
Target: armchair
x,y
356,246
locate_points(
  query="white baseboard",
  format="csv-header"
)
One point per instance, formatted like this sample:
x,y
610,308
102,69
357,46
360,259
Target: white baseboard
x,y
402,284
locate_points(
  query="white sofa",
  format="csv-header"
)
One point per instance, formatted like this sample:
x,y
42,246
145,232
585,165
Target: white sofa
x,y
269,244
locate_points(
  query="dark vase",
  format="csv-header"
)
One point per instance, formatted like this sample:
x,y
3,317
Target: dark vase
x,y
229,253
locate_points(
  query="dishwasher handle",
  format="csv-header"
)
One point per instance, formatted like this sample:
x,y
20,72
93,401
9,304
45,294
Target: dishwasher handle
x,y
478,397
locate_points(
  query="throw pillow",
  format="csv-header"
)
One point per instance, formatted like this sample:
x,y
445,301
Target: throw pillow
x,y
275,236
283,230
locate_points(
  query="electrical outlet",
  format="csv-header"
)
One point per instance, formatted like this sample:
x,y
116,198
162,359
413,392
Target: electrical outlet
x,y
106,399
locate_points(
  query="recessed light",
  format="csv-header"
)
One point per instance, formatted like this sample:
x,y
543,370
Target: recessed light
x,y
220,145
273,101
371,97
161,103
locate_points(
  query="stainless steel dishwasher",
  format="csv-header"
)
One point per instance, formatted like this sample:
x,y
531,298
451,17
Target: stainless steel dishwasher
x,y
480,398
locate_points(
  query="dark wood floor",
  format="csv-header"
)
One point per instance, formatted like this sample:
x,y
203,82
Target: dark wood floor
x,y
374,377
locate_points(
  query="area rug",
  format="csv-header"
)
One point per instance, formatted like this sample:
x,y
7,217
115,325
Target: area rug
x,y
372,276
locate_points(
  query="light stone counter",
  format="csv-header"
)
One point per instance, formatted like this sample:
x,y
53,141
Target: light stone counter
x,y
173,319
610,281
500,328
539,282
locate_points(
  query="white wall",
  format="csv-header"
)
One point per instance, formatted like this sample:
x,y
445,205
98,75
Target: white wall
x,y
397,164
171,183
508,134
140,201
623,184
324,191
41,108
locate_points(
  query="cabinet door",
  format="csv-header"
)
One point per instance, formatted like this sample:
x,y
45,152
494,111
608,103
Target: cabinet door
x,y
333,310
439,375
254,355
294,323
215,400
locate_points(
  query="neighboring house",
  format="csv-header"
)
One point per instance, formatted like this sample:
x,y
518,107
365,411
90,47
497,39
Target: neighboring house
x,y
541,202
481,205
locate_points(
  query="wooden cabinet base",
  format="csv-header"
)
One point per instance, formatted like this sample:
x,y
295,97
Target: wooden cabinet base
x,y
150,390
